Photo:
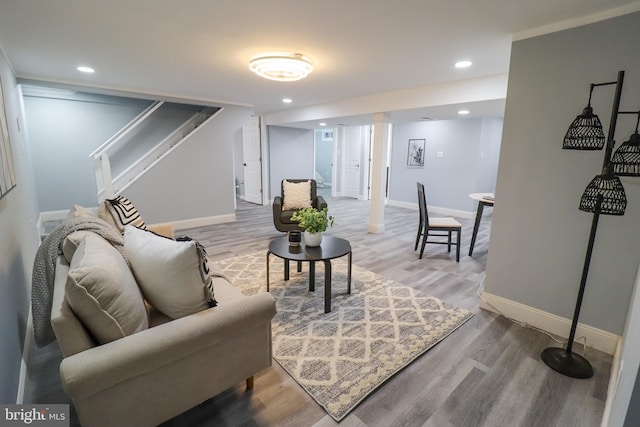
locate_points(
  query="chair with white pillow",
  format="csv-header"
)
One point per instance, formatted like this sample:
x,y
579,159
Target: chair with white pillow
x,y
295,195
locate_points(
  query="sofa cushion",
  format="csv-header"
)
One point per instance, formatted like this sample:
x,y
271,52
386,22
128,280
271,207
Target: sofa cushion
x,y
120,212
71,243
297,195
168,272
102,291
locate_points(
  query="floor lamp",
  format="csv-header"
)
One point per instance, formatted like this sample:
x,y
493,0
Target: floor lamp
x,y
604,195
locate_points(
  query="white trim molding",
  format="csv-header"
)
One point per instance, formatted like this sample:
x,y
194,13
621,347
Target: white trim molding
x,y
202,222
434,209
596,338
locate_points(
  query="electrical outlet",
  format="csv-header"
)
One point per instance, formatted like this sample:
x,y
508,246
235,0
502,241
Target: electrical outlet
x,y
440,154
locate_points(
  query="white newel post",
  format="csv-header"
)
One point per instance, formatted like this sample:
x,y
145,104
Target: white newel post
x,y
107,181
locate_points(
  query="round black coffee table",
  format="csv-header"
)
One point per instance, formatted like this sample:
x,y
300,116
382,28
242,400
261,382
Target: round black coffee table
x,y
331,247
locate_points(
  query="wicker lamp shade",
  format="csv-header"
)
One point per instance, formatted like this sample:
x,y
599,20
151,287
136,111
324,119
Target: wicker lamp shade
x,y
585,133
626,159
614,199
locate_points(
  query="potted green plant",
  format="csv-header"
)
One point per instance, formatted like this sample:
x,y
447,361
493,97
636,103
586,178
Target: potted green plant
x,y
314,223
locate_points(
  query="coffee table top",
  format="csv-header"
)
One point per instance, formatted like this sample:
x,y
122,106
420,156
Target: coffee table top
x,y
331,247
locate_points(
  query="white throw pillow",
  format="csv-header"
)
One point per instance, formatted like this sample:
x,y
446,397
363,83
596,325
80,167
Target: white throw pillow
x,y
167,271
102,291
297,195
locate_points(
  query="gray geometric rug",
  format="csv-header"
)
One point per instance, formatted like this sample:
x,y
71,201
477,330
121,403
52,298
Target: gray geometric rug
x,y
341,357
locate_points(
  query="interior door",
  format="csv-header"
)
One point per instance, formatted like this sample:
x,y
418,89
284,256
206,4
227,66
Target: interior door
x,y
353,162
252,161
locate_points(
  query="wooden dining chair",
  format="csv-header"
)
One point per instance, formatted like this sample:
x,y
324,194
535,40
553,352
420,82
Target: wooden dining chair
x,y
435,226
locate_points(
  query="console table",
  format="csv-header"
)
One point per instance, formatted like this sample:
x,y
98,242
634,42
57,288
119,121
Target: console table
x,y
484,199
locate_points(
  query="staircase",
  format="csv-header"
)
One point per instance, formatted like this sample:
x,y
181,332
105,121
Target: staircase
x,y
144,142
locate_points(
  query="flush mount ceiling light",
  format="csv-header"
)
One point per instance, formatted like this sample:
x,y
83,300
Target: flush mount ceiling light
x,y
84,69
287,100
281,67
463,64
463,112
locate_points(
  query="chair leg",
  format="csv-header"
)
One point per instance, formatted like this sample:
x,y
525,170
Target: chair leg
x,y
249,383
418,236
424,242
458,245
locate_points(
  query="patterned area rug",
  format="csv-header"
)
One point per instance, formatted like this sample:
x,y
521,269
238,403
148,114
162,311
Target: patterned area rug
x,y
341,357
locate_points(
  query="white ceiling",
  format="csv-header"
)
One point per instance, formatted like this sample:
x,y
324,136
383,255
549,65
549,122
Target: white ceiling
x,y
200,49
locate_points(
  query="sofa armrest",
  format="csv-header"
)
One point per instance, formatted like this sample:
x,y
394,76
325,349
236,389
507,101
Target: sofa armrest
x,y
320,203
163,229
277,205
91,371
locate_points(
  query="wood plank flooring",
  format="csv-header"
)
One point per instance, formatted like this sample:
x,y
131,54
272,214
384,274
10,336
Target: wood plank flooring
x,y
486,374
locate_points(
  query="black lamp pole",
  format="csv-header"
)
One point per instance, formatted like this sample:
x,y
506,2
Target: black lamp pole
x,y
564,360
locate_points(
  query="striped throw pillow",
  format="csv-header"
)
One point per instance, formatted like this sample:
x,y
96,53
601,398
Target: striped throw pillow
x,y
123,213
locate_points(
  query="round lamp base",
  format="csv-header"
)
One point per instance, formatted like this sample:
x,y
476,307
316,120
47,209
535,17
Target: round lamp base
x,y
567,363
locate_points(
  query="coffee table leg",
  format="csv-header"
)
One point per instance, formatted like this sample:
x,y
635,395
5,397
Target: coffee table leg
x,y
349,275
268,253
327,286
312,276
286,269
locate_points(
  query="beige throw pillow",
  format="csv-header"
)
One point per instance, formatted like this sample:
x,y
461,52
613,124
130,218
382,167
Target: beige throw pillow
x,y
102,291
297,195
167,271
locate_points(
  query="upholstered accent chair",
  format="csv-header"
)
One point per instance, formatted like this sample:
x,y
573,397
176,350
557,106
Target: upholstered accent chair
x,y
295,194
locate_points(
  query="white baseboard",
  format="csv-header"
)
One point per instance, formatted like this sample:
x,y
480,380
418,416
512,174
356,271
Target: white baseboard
x,y
177,225
202,222
434,209
596,338
614,379
23,378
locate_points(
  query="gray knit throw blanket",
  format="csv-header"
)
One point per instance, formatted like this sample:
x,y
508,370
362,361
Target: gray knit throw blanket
x,y
44,269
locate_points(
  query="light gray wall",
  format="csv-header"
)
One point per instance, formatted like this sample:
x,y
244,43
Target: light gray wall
x,y
470,150
290,155
62,134
538,236
18,244
64,131
197,179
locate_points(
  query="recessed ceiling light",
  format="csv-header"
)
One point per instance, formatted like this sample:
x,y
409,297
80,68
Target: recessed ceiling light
x,y
287,100
463,64
463,112
322,124
84,69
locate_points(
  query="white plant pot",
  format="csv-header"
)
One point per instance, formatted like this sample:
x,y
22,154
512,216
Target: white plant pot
x,y
312,239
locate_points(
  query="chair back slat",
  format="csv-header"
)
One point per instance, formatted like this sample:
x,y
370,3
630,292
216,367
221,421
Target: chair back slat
x,y
422,204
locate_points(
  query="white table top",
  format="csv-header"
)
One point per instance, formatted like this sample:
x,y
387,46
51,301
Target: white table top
x,y
484,197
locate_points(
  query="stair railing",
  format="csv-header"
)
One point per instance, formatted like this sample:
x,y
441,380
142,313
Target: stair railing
x,y
100,157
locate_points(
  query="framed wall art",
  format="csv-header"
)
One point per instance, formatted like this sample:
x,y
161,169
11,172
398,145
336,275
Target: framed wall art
x,y
7,172
415,153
